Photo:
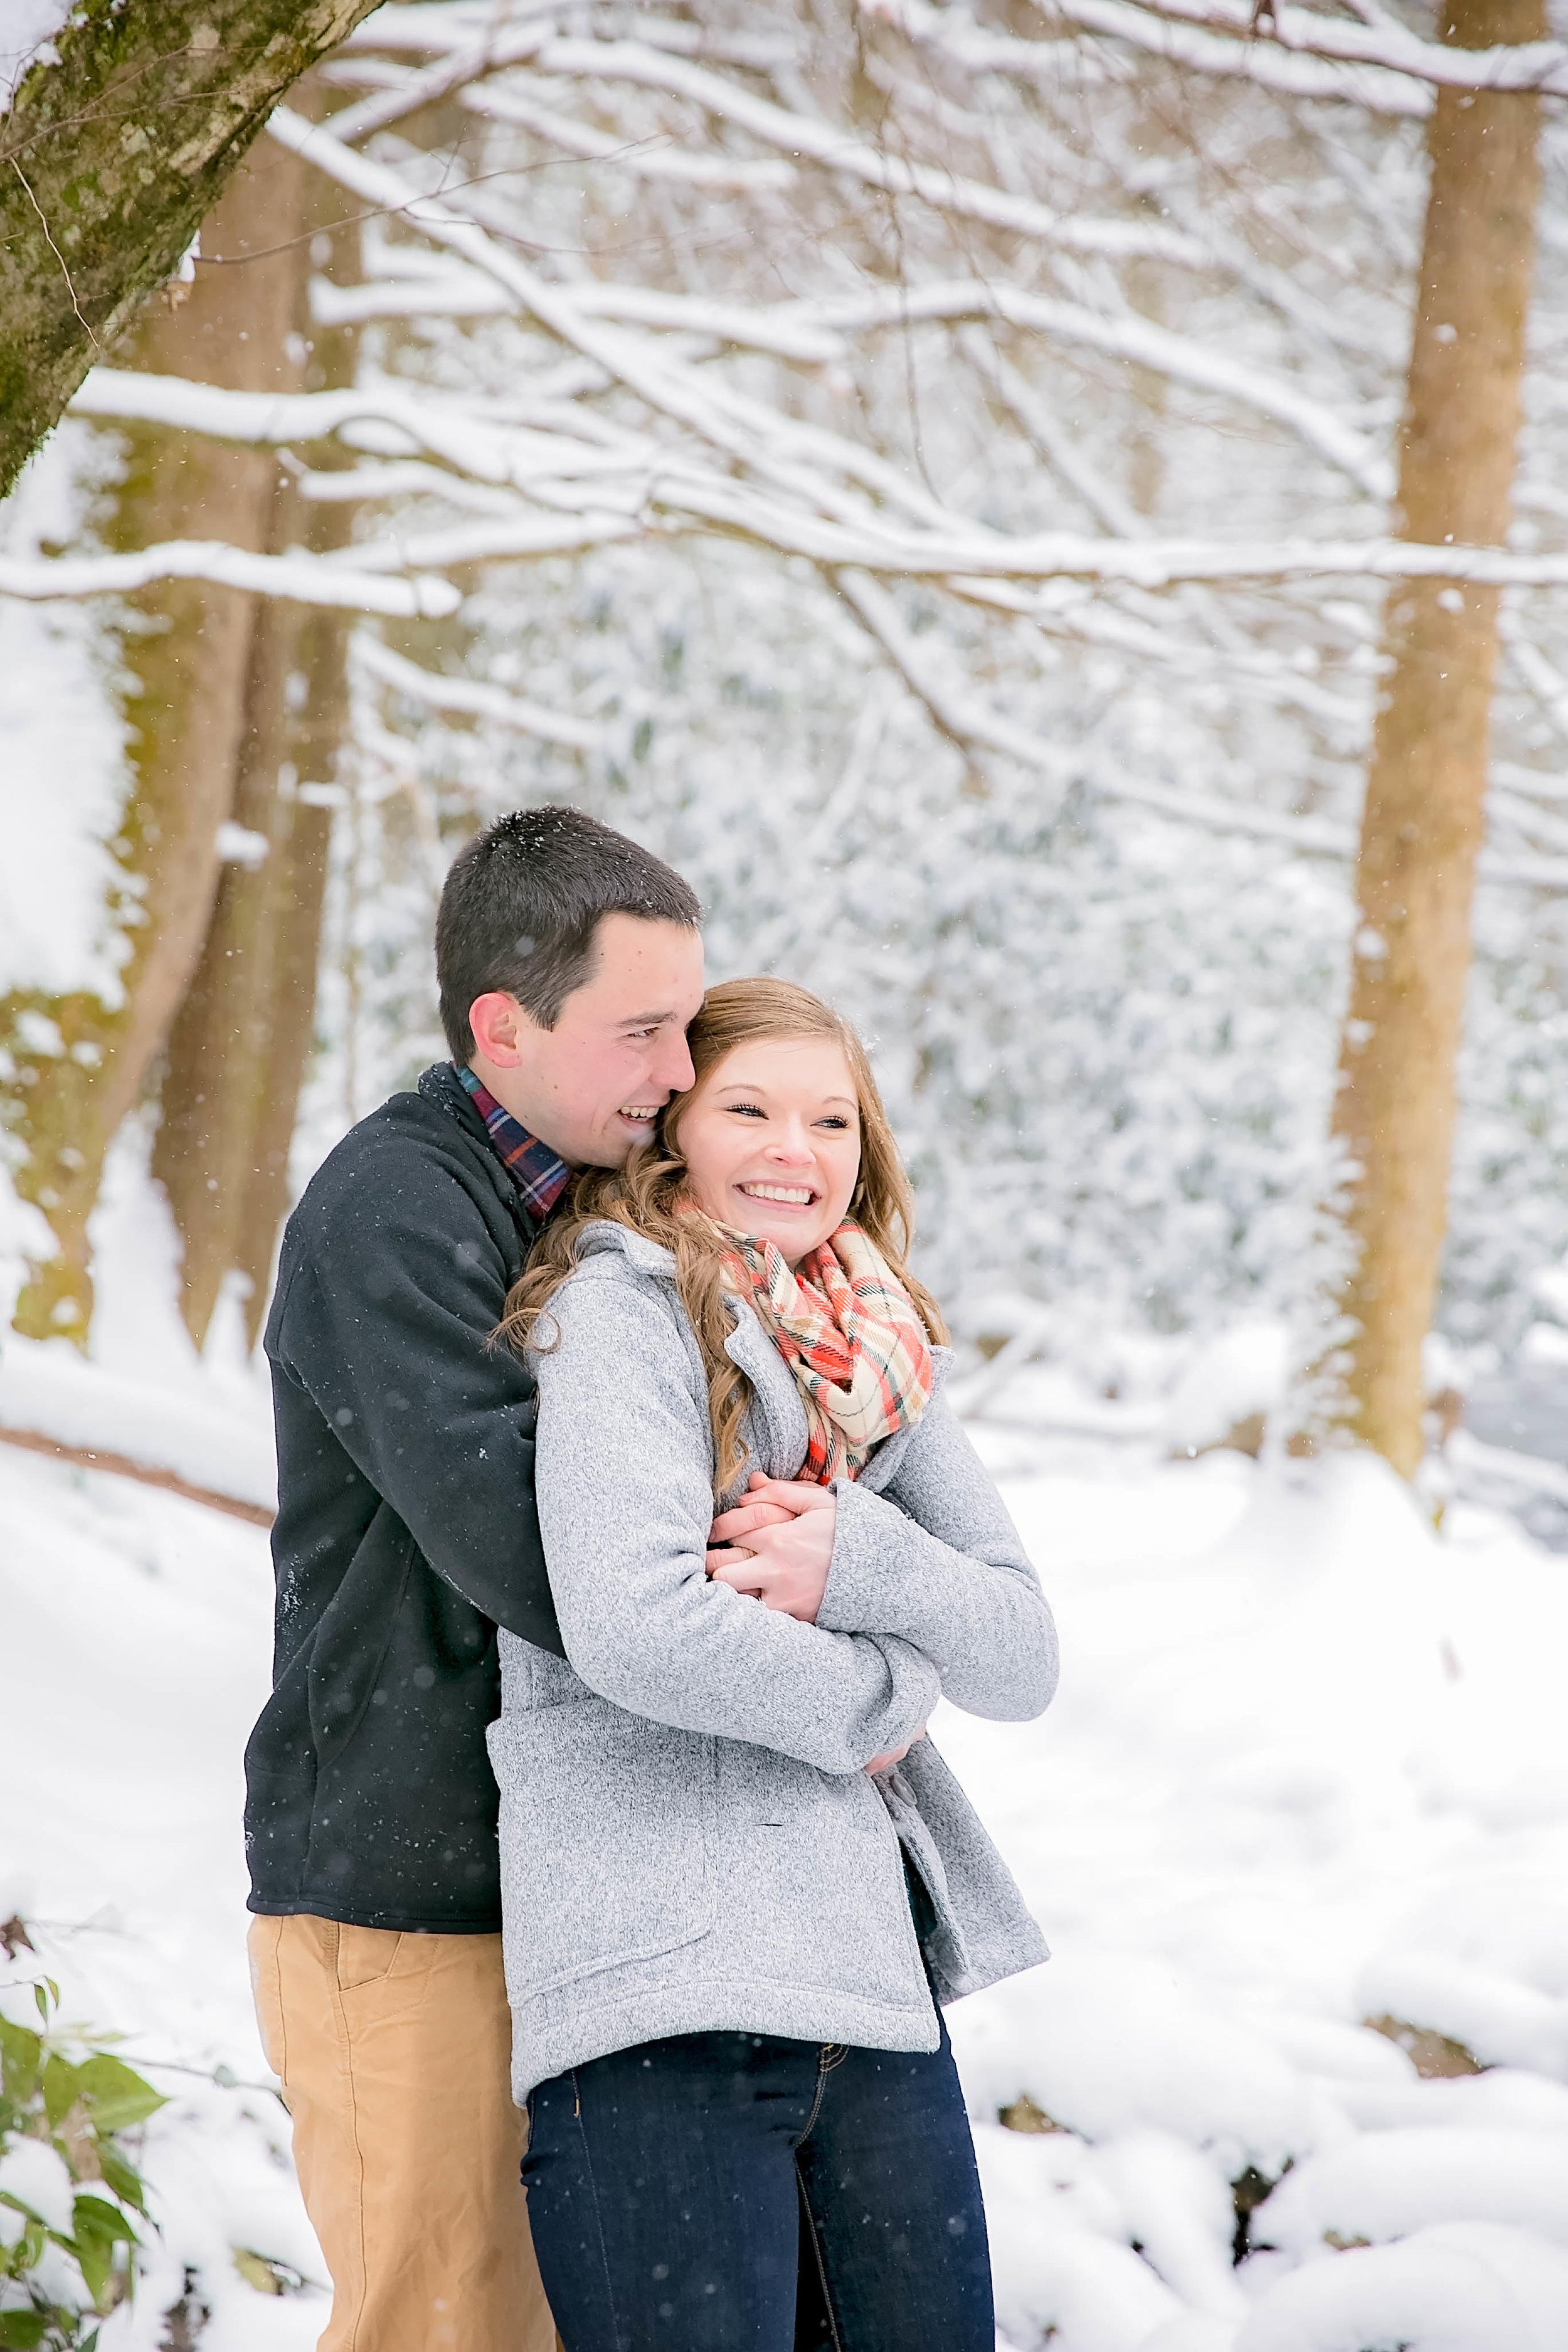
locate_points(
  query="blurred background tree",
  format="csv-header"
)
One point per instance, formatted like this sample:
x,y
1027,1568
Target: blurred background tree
x,y
929,474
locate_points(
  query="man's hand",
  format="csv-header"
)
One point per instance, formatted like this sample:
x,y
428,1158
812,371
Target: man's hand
x,y
894,1755
785,1525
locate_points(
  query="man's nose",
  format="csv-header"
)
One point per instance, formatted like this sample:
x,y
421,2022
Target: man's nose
x,y
673,1069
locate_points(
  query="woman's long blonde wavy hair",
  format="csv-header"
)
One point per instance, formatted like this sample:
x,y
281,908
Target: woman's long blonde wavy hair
x,y
648,1196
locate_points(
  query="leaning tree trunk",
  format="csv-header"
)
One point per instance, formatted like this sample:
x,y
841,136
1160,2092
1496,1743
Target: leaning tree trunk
x,y
1426,784
115,148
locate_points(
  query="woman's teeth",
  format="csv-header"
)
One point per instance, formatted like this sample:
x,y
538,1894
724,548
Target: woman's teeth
x,y
795,1196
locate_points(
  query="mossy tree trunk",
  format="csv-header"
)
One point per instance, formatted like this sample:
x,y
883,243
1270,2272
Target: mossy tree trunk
x,y
241,1039
115,149
1427,782
188,650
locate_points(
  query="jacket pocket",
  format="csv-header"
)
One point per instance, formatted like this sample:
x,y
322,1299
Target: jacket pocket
x,y
606,1825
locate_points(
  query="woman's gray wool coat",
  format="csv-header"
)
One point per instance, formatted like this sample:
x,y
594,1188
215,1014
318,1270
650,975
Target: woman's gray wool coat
x,y
689,1841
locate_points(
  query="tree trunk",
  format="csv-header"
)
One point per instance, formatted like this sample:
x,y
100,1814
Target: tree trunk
x,y
242,1036
189,656
217,1049
113,152
1426,784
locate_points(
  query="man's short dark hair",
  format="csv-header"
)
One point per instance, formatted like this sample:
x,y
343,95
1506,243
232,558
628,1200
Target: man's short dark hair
x,y
522,904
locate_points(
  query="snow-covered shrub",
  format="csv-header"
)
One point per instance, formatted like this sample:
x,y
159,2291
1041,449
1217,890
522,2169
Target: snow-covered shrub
x,y
70,2192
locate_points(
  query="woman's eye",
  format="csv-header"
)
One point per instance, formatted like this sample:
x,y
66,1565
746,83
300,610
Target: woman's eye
x,y
832,1119
748,1110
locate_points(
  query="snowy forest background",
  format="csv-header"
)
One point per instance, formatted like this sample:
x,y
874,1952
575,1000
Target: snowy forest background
x,y
885,458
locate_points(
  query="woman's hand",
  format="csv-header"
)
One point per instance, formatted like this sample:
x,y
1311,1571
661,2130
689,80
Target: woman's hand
x,y
895,1755
783,1531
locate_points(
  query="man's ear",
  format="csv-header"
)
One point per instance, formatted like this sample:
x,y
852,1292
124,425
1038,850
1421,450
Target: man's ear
x,y
498,1021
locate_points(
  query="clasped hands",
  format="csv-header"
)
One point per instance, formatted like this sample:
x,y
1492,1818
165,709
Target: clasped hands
x,y
781,1535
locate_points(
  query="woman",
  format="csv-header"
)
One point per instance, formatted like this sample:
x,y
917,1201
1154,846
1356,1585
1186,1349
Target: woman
x,y
734,1871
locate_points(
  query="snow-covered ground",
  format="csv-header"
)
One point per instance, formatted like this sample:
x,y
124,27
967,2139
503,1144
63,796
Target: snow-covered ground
x,y
1308,1764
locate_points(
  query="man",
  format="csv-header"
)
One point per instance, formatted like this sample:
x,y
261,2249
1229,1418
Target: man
x,y
569,964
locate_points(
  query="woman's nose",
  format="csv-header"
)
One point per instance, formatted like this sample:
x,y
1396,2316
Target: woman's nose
x,y
790,1146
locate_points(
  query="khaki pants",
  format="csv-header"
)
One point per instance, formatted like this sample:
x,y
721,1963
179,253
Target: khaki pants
x,y
394,2053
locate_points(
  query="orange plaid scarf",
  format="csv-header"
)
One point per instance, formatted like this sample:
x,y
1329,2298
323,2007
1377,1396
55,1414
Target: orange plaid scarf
x,y
849,1331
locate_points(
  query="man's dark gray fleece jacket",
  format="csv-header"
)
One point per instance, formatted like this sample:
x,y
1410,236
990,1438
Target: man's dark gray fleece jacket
x,y
406,1532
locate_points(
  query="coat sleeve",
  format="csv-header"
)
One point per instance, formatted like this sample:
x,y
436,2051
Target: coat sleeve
x,y
388,1326
623,1470
936,1561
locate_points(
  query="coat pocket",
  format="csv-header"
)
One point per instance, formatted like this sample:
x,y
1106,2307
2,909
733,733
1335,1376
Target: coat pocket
x,y
606,1824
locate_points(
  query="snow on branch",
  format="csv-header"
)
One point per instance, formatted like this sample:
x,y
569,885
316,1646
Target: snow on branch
x,y
456,294
1385,45
1284,71
473,699
788,331
658,377
1149,563
527,539
656,484
1289,72
963,721
646,159
303,579
402,91
277,419
975,729
842,152
1126,336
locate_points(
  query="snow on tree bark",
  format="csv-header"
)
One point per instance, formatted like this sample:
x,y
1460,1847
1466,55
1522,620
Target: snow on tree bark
x,y
115,148
1423,822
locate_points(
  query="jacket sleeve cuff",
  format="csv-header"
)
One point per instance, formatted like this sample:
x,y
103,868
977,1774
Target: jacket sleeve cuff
x,y
864,1569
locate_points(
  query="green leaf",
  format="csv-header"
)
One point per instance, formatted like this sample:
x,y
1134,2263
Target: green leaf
x,y
61,2088
96,2263
42,1998
21,2055
21,2330
123,2179
116,2095
95,2217
100,2227
24,2255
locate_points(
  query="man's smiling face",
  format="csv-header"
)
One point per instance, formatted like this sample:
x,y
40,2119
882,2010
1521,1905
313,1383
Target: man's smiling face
x,y
594,1085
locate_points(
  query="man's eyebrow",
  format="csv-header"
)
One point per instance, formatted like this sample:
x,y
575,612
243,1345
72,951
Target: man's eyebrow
x,y
644,1020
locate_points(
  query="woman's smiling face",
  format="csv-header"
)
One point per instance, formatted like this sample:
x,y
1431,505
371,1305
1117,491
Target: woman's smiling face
x,y
771,1140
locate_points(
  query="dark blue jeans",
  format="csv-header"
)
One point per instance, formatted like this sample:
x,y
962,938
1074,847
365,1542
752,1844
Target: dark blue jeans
x,y
737,2192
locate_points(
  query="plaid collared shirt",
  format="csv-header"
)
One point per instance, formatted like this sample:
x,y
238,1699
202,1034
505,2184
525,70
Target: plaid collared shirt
x,y
539,1177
